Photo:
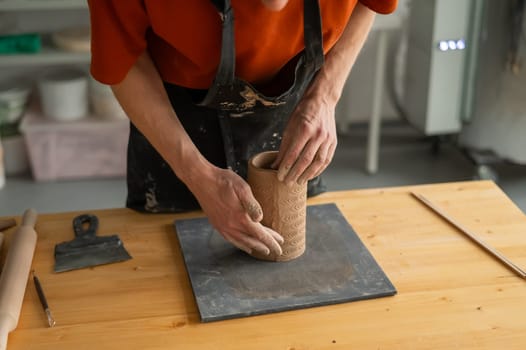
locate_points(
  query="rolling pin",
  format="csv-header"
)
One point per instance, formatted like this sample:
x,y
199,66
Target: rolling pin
x,y
15,274
4,225
1,244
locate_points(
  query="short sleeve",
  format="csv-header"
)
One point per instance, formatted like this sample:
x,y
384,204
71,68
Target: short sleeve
x,y
381,6
118,37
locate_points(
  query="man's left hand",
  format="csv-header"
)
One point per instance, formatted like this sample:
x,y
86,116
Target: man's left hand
x,y
309,141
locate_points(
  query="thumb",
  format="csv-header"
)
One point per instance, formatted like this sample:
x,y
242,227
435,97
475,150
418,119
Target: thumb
x,y
253,210
275,164
250,204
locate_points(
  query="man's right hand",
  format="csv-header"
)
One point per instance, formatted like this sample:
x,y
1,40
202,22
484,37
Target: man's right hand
x,y
232,210
224,196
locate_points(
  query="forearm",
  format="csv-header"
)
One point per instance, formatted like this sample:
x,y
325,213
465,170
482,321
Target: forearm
x,y
143,97
223,195
309,140
330,80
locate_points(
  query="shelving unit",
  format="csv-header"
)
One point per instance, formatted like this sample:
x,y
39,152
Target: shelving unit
x,y
44,17
31,5
49,55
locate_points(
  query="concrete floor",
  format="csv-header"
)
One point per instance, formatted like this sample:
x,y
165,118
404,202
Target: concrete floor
x,y
405,159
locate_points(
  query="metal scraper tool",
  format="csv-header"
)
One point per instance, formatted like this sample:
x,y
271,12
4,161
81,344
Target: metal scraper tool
x,y
88,249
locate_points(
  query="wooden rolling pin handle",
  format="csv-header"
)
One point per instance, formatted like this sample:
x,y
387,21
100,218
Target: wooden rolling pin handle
x,y
4,332
14,276
29,218
5,326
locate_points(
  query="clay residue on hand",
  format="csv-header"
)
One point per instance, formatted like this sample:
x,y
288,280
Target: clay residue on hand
x,y
254,211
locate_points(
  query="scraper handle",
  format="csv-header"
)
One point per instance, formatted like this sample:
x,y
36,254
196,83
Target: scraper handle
x,y
85,232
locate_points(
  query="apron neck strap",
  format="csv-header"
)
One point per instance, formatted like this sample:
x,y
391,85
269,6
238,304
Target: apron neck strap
x,y
226,70
219,4
313,38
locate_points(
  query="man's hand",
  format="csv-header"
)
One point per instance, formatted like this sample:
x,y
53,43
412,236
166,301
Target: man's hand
x,y
224,196
309,141
232,210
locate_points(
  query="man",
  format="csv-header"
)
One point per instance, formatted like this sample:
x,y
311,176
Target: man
x,y
209,83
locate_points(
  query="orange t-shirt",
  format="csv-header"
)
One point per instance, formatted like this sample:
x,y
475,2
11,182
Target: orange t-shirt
x,y
183,37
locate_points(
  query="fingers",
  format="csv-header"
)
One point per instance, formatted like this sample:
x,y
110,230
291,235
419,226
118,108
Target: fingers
x,y
290,154
259,238
246,243
330,156
235,213
249,202
266,236
244,229
279,238
253,210
294,139
314,158
237,243
306,159
319,164
307,146
285,141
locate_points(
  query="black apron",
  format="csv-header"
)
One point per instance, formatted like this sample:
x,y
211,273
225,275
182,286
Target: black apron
x,y
229,123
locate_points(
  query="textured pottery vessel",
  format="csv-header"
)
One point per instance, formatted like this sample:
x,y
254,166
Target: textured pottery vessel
x,y
284,207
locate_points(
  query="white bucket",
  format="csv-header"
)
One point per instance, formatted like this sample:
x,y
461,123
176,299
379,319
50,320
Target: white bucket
x,y
13,101
64,94
103,102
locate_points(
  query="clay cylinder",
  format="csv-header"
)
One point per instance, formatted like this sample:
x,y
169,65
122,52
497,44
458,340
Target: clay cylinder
x,y
284,207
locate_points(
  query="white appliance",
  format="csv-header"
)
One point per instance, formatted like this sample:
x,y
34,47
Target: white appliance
x,y
497,119
464,74
437,57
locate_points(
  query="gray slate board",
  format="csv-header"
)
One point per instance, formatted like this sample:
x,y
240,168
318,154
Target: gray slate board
x,y
227,283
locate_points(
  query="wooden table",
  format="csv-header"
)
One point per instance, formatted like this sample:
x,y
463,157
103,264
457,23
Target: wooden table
x,y
451,294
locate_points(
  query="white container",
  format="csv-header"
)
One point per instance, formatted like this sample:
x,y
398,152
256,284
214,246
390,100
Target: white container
x,y
64,94
13,101
103,101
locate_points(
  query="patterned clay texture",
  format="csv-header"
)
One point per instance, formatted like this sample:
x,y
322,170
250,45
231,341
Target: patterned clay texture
x,y
284,207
